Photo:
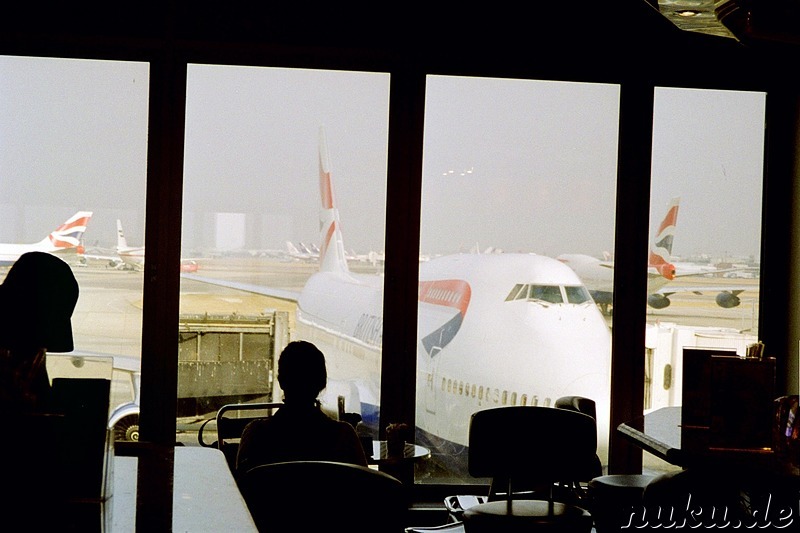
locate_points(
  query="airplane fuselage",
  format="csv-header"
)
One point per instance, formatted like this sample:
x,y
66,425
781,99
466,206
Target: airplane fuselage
x,y
510,349
478,345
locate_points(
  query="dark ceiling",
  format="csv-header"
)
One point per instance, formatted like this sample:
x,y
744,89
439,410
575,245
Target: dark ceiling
x,y
559,39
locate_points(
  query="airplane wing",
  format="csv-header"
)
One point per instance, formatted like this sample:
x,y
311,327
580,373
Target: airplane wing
x,y
281,294
100,255
727,295
683,271
699,290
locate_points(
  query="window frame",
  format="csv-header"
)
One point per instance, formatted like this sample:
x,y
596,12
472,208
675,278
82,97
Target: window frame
x,y
168,64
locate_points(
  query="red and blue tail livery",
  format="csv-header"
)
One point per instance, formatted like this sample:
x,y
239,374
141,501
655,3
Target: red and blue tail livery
x,y
66,240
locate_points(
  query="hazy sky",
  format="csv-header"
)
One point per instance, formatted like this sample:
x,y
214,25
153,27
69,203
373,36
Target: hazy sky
x,y
538,158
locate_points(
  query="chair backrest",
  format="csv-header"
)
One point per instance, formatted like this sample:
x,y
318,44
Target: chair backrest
x,y
84,403
324,496
541,444
581,404
63,455
586,406
231,420
452,527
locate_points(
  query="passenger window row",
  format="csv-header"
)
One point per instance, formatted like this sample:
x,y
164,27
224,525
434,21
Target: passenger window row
x,y
491,395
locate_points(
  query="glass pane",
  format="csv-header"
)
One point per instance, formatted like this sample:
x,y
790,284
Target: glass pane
x,y
577,295
74,162
546,293
281,257
708,150
516,173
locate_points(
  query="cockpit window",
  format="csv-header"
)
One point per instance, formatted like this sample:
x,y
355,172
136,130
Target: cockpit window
x,y
554,294
519,292
547,293
577,294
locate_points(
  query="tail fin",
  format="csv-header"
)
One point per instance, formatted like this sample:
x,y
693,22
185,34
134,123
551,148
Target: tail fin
x,y
331,255
291,248
122,242
70,233
661,251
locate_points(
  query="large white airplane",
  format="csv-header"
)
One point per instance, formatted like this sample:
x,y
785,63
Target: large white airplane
x,y
64,241
598,275
505,329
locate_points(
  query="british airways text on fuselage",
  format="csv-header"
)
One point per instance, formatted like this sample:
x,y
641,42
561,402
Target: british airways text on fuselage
x,y
369,329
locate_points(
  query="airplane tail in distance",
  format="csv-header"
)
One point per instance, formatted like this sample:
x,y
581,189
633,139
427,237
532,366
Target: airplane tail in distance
x,y
291,248
122,242
331,256
661,251
69,234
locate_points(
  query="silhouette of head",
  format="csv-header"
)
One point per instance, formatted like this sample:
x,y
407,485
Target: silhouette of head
x,y
301,371
37,298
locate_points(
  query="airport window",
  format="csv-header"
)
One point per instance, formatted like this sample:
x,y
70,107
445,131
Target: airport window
x,y
504,144
704,160
74,154
231,237
692,162
264,149
443,233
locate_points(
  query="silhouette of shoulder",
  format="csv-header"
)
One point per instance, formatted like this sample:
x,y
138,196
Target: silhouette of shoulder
x,y
293,434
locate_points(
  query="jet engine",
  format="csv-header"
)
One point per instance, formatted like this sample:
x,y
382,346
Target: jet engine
x,y
667,270
659,301
727,300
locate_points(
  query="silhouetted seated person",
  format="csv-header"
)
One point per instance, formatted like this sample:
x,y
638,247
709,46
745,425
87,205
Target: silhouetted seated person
x,y
299,430
37,299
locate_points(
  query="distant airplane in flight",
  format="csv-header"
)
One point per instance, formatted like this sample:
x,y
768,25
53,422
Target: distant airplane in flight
x,y
598,275
493,329
65,241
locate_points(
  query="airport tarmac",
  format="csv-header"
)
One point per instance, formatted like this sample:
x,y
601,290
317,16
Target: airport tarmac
x,y
108,319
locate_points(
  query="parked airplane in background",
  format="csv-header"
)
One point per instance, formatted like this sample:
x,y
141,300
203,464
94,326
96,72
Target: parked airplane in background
x,y
64,241
132,257
598,275
310,252
302,253
498,329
